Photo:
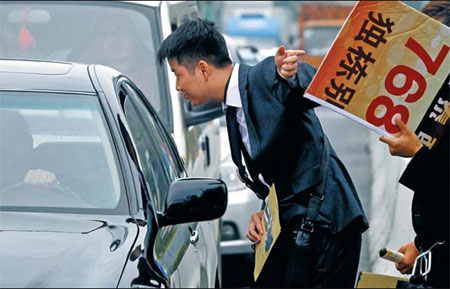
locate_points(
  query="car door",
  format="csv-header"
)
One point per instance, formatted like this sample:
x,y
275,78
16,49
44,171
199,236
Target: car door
x,y
161,166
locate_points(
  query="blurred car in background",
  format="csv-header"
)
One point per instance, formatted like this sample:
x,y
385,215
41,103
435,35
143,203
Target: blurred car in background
x,y
115,208
241,51
260,30
256,29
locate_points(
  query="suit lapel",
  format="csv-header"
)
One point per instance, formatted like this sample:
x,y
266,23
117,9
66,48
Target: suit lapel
x,y
255,145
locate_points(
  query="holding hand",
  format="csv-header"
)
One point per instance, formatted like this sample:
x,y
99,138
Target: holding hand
x,y
410,254
255,230
405,144
286,61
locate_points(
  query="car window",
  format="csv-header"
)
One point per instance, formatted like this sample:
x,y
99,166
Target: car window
x,y
159,165
118,35
56,153
175,165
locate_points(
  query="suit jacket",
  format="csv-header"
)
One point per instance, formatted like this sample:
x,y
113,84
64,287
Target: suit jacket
x,y
286,141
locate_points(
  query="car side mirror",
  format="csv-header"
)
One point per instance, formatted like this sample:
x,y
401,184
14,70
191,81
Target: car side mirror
x,y
199,114
194,200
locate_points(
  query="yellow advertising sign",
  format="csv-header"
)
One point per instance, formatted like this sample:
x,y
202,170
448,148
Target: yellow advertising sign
x,y
388,60
272,229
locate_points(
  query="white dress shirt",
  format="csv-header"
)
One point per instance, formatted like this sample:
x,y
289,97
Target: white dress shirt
x,y
233,98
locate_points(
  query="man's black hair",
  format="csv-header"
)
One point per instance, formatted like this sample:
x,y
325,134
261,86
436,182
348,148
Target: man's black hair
x,y
439,10
193,41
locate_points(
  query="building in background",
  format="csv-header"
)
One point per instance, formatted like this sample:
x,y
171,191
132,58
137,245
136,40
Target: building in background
x,y
318,26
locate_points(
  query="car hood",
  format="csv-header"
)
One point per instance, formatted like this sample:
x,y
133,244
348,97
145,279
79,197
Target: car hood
x,y
58,250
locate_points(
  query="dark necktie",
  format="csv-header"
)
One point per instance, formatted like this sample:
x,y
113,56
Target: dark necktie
x,y
236,145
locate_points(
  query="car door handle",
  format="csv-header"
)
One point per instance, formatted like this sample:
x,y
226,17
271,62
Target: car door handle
x,y
205,148
194,238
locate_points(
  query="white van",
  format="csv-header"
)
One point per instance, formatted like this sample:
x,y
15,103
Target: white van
x,y
125,35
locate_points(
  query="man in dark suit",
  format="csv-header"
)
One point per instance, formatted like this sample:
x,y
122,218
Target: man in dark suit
x,y
427,174
281,140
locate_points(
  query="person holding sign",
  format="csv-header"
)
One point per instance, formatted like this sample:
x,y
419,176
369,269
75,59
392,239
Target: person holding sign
x,y
427,175
281,140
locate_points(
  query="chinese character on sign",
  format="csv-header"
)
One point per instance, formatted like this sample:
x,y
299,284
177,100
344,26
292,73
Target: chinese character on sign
x,y
340,93
443,109
356,67
426,139
374,34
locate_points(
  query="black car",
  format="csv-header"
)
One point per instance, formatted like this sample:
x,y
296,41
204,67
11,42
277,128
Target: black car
x,y
92,190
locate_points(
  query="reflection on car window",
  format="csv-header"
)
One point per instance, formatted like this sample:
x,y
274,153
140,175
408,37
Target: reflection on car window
x,y
55,152
113,36
157,134
154,154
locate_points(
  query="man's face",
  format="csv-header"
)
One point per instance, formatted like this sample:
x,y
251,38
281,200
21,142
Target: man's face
x,y
192,85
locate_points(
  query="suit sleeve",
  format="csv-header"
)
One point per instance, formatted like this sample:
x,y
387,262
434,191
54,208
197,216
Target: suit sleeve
x,y
305,74
426,172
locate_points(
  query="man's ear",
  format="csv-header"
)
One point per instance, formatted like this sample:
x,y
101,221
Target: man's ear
x,y
204,69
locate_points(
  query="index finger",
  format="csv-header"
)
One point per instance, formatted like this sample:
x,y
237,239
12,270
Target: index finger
x,y
252,235
259,226
295,52
401,125
387,140
292,58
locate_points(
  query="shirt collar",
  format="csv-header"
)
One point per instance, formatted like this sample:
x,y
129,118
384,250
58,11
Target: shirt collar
x,y
233,96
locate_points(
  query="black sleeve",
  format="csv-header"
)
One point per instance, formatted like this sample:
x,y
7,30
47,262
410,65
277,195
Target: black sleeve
x,y
305,74
429,169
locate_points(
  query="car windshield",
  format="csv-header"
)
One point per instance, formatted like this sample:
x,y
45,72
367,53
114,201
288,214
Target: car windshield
x,y
56,153
318,40
107,33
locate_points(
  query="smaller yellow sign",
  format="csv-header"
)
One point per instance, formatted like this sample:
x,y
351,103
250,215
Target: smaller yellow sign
x,y
371,280
272,229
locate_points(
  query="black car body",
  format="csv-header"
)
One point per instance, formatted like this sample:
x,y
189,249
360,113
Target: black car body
x,y
122,212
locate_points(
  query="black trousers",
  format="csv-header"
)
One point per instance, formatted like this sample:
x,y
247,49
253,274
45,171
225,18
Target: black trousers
x,y
332,260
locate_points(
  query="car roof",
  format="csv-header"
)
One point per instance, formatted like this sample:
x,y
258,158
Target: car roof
x,y
145,3
153,3
44,75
